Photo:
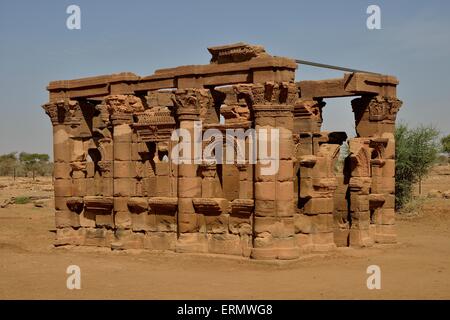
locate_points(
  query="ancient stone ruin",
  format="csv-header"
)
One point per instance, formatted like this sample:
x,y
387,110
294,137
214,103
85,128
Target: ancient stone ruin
x,y
116,184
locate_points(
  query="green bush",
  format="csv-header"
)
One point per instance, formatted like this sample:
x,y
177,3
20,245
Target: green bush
x,y
21,200
445,141
416,150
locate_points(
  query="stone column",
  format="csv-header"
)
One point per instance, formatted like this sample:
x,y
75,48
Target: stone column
x,y
273,234
237,115
121,109
79,150
58,113
123,185
375,118
360,188
375,115
105,185
244,182
189,103
66,211
318,183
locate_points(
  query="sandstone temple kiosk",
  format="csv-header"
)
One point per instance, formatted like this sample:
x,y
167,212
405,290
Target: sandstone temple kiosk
x,y
116,184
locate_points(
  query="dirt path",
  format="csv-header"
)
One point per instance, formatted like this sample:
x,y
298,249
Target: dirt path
x,y
417,268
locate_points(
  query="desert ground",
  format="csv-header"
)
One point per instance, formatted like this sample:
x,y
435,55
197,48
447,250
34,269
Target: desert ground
x,y
418,267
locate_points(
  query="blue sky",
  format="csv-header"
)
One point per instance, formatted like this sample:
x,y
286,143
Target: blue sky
x,y
141,36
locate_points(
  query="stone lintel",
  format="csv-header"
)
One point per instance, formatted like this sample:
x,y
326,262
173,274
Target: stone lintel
x,y
239,63
352,84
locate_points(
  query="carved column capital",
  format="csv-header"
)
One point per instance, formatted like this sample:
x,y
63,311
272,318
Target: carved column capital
x,y
380,108
308,108
62,111
103,113
192,104
384,108
268,93
122,107
121,103
235,114
271,99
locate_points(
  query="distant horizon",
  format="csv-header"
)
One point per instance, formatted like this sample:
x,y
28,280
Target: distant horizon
x,y
141,37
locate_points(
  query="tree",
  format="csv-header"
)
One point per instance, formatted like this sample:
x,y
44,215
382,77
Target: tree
x,y
8,163
445,141
34,162
416,151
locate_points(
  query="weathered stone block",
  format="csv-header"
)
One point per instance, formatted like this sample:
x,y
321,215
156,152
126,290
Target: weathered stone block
x,y
359,202
314,224
63,188
187,223
360,238
265,208
61,170
187,170
190,187
385,216
284,191
127,239
265,190
260,177
123,169
166,222
192,242
104,220
224,244
139,221
287,249
284,208
66,218
277,227
79,187
87,219
341,237
122,151
124,187
160,240
163,187
69,236
162,168
360,220
240,225
319,205
98,237
122,219
122,133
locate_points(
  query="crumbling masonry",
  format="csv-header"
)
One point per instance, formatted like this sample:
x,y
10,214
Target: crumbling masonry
x,y
116,186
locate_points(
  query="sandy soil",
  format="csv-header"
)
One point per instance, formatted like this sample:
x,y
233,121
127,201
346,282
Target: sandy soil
x,y
418,267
